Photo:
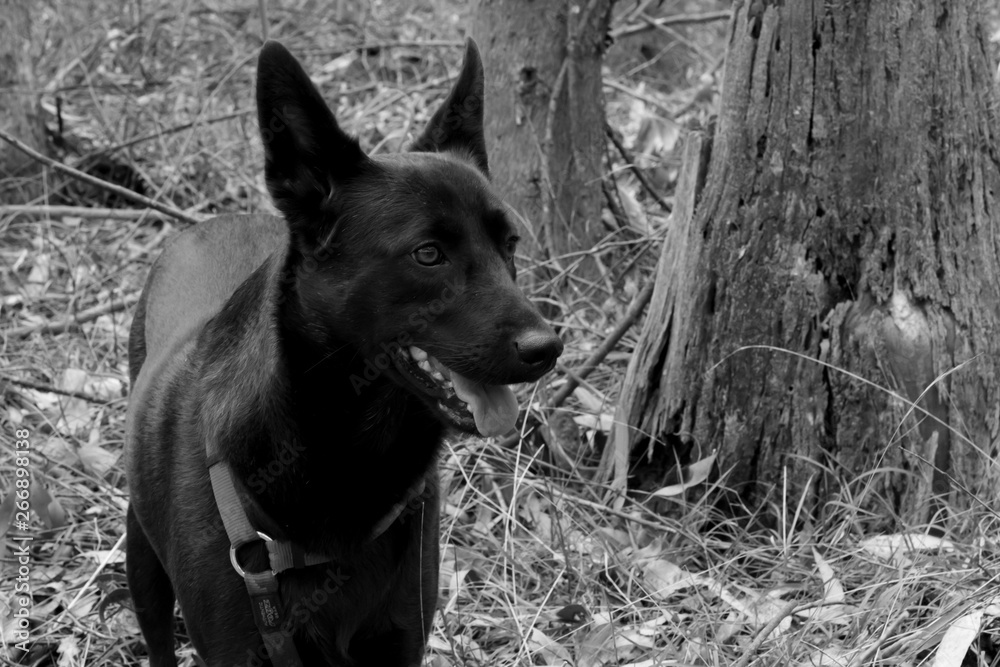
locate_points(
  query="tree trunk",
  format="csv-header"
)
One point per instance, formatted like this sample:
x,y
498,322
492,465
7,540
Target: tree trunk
x,y
20,111
842,262
545,119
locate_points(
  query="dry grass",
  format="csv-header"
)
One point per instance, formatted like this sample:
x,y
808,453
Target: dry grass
x,y
540,566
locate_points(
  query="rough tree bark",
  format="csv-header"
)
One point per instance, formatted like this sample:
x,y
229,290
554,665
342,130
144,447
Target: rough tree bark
x,y
849,217
20,110
545,117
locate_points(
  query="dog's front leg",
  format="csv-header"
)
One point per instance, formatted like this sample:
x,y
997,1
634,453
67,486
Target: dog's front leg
x,y
152,594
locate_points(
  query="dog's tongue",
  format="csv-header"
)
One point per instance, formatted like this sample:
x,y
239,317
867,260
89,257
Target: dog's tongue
x,y
493,406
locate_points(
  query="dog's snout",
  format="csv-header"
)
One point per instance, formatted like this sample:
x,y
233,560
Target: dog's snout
x,y
539,348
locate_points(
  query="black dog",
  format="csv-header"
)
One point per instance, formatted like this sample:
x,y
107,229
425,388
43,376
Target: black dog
x,y
313,362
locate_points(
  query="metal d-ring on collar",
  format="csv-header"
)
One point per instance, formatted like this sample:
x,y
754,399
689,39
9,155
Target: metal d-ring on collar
x,y
235,561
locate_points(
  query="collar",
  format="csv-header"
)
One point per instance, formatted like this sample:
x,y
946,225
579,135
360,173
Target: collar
x,y
282,555
285,554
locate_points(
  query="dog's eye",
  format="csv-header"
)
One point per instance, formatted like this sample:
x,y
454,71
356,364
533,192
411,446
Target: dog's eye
x,y
512,245
428,255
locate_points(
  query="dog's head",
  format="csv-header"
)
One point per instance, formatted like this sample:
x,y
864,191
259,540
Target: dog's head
x,y
407,259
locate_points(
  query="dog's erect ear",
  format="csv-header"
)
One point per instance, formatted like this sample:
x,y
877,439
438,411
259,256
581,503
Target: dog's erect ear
x,y
306,153
458,124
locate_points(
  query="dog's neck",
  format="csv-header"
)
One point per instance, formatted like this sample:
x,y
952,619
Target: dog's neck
x,y
283,432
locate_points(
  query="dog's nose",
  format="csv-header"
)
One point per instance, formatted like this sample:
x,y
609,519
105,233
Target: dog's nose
x,y
539,349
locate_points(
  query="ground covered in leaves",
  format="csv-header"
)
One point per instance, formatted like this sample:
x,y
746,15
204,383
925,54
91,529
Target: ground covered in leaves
x,y
541,565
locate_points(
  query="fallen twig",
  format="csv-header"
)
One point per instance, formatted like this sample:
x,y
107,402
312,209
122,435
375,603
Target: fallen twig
x,y
38,386
642,97
635,170
87,178
605,347
46,211
680,19
156,134
765,632
80,318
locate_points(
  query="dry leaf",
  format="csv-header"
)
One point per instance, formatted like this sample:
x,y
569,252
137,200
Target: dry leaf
x,y
635,213
74,413
105,556
69,651
595,649
96,458
551,651
833,590
893,547
833,609
759,609
37,281
657,135
15,416
45,506
56,449
535,512
45,401
590,400
601,422
957,640
105,388
694,474
339,64
634,638
663,578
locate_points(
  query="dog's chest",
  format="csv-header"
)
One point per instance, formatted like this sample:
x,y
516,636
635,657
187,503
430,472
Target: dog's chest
x,y
333,604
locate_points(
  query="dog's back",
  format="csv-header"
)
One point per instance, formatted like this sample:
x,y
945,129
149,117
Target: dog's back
x,y
194,276
318,357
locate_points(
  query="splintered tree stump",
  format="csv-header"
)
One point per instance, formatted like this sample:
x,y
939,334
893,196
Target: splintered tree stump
x,y
842,264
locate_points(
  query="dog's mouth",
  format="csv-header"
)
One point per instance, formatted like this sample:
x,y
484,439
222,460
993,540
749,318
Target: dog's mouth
x,y
471,406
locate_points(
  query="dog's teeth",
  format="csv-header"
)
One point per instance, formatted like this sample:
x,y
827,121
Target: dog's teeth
x,y
439,367
424,366
418,354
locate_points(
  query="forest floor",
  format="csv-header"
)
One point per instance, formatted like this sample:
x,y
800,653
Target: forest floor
x,y
541,564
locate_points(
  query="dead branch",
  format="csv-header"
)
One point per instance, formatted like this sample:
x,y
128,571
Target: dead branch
x,y
49,389
44,211
80,318
87,178
680,19
638,172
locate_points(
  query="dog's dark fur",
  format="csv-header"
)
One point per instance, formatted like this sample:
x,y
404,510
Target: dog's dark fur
x,y
271,338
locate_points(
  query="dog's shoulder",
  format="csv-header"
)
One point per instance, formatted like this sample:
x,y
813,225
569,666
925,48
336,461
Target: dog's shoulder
x,y
199,271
